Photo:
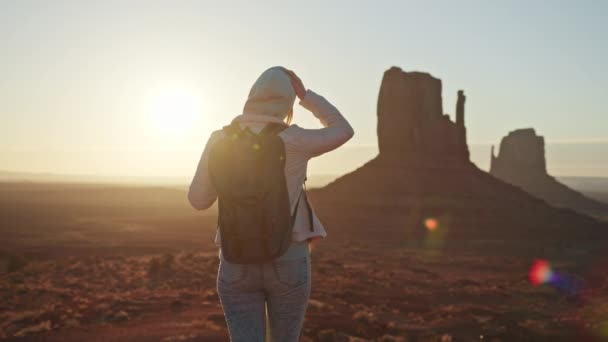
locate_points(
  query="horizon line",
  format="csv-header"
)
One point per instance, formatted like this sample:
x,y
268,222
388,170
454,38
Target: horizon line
x,y
355,145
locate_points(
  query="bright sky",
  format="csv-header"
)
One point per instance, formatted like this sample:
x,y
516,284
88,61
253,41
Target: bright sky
x,y
135,87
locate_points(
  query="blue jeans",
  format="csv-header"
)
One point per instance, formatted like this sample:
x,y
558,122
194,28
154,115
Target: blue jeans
x,y
267,299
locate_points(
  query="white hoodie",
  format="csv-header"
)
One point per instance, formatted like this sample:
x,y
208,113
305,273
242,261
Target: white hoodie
x,y
270,100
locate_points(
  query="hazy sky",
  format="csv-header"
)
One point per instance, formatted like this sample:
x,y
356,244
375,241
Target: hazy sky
x,y
135,87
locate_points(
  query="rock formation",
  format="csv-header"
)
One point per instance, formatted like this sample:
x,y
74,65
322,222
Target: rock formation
x,y
521,162
522,156
411,122
423,171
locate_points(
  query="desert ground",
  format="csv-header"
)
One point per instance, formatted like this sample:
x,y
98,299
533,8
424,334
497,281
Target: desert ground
x,y
92,262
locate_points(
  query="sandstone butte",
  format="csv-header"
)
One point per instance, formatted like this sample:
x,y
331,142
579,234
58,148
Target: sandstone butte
x,y
521,162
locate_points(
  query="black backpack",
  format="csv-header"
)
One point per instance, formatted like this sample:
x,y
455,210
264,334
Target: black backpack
x,y
248,172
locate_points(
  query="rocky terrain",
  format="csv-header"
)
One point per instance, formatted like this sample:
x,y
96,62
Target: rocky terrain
x,y
521,162
359,294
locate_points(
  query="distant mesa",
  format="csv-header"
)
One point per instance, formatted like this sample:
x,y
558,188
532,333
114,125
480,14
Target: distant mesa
x,y
522,156
521,162
423,171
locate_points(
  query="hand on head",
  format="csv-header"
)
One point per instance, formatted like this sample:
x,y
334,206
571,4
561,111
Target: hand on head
x,y
297,84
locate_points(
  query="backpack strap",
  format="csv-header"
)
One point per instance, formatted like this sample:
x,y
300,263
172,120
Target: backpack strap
x,y
295,211
274,129
310,218
231,129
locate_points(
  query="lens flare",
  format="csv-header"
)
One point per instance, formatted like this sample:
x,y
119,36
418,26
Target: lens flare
x,y
431,224
540,272
603,329
435,235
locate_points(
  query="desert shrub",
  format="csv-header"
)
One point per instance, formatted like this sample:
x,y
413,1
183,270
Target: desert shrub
x,y
186,257
154,267
327,335
163,265
364,316
37,328
331,335
391,338
167,261
10,262
119,316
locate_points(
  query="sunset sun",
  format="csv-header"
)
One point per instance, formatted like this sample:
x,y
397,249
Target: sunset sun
x,y
174,110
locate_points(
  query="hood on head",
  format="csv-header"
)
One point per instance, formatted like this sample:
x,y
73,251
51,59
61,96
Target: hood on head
x,y
271,95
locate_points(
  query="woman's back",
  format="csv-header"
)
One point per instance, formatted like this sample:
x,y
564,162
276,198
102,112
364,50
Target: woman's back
x,y
300,146
274,292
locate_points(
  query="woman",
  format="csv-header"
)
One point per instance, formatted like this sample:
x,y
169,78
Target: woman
x,y
278,290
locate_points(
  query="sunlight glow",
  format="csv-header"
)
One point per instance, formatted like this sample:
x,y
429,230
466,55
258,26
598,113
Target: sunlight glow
x,y
174,111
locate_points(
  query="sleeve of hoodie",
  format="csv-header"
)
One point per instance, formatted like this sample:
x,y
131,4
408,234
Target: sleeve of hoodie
x,y
335,132
202,193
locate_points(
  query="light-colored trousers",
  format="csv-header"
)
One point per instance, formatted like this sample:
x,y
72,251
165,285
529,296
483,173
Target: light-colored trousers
x,y
266,300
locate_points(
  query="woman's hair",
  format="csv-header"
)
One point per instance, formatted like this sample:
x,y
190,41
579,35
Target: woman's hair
x,y
289,117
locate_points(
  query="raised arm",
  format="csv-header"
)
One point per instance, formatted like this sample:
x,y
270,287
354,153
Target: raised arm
x,y
336,129
202,193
